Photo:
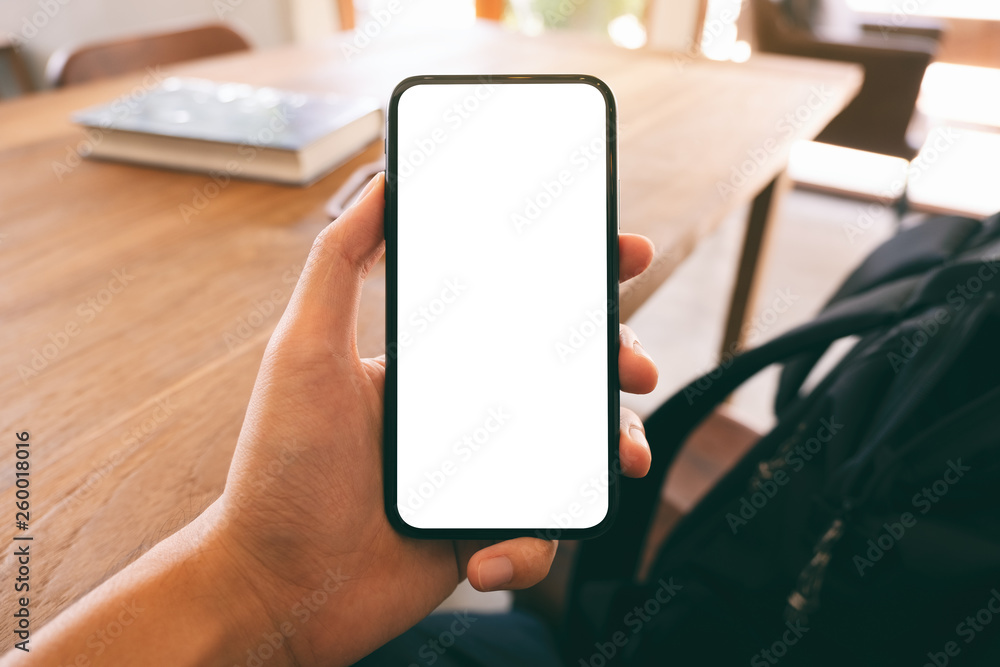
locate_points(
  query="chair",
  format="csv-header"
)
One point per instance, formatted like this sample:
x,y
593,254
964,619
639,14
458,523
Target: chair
x,y
15,63
878,118
490,9
67,67
345,14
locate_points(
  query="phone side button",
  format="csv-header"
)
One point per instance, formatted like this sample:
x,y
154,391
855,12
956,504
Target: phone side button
x,y
618,193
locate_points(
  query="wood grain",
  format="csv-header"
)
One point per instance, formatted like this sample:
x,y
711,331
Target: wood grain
x,y
134,419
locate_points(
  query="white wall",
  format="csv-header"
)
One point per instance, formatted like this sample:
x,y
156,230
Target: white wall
x,y
43,26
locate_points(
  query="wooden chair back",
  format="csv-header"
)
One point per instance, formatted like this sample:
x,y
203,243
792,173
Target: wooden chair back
x,y
96,61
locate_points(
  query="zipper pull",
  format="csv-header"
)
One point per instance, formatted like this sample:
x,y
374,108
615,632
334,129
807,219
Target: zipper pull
x,y
804,599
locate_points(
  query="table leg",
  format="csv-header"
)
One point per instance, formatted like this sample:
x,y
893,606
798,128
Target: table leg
x,y
752,257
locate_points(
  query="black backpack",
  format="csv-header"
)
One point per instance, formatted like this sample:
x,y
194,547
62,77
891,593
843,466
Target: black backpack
x,y
864,529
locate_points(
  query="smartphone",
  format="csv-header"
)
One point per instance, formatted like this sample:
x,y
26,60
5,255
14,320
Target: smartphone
x,y
501,394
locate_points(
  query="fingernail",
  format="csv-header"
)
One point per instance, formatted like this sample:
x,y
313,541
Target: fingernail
x,y
638,435
495,572
640,350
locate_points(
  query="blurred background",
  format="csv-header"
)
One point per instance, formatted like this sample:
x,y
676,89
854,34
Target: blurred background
x,y
948,49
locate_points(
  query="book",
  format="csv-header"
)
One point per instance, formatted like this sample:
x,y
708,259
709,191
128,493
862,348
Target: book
x,y
235,129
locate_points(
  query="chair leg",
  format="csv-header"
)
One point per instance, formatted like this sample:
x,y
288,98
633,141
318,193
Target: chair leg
x,y
902,206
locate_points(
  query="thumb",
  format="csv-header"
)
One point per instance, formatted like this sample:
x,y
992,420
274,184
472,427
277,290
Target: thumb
x,y
512,564
324,305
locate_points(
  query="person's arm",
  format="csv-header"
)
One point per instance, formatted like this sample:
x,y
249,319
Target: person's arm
x,y
185,602
296,563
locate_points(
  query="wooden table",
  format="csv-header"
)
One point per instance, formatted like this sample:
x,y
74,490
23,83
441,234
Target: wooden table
x,y
971,30
143,331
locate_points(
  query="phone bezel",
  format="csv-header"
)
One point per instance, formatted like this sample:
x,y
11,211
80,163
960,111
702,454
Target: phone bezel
x,y
391,250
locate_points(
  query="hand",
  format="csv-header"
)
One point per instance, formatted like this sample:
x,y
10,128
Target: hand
x,y
303,507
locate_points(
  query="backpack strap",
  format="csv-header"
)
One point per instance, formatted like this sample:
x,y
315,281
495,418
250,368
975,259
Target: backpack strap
x,y
911,252
616,553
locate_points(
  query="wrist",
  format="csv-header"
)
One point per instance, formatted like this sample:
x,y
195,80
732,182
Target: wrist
x,y
226,590
322,606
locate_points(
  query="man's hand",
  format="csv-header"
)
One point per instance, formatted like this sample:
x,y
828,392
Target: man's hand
x,y
316,396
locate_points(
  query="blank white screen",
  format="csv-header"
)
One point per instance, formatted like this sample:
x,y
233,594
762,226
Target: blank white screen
x,y
502,396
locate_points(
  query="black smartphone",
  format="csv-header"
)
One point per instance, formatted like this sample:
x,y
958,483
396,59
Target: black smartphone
x,y
501,227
